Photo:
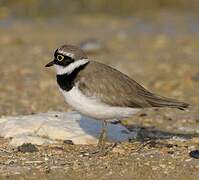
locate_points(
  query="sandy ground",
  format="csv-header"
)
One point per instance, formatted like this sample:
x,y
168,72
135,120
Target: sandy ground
x,y
160,51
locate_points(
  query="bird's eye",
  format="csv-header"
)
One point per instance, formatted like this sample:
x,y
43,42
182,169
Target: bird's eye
x,y
60,57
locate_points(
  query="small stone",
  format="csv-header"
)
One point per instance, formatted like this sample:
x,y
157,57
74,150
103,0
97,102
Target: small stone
x,y
170,152
68,141
195,140
188,160
143,114
171,145
147,163
116,122
34,162
118,150
154,168
195,77
27,147
10,162
162,165
194,154
191,148
86,154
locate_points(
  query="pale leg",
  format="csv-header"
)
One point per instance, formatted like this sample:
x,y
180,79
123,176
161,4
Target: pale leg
x,y
102,138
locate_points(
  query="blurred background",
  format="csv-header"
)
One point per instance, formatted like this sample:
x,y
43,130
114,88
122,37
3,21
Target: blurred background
x,y
155,41
49,8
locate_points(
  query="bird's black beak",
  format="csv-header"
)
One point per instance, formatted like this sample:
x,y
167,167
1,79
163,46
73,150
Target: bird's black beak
x,y
51,63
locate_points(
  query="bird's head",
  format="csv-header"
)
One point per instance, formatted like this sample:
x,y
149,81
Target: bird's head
x,y
67,58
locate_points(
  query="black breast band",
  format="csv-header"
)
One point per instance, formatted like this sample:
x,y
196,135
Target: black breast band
x,y
66,81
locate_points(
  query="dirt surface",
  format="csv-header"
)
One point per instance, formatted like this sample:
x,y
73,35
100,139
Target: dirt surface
x,y
160,51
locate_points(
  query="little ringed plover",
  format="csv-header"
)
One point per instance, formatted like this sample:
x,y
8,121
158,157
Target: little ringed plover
x,y
100,91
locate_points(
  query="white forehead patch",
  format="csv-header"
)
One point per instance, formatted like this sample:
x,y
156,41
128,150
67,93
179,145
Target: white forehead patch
x,y
66,54
71,67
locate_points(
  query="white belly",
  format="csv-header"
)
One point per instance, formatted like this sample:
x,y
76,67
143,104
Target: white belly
x,y
94,108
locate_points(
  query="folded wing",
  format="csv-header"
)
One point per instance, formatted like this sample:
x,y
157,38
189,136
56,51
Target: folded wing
x,y
114,88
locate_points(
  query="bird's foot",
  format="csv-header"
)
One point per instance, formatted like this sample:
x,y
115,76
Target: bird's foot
x,y
144,144
102,148
105,149
100,151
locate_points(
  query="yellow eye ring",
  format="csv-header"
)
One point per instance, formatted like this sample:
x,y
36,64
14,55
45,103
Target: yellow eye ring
x,y
60,57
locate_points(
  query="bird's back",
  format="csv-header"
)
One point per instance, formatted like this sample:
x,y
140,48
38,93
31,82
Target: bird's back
x,y
117,89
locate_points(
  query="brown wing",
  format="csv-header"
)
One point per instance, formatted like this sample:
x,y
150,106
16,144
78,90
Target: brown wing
x,y
115,88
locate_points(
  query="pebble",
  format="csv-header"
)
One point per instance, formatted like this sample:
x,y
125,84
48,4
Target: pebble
x,y
33,162
162,165
143,114
191,148
187,160
195,77
147,163
27,147
154,168
194,154
118,150
10,162
195,140
68,141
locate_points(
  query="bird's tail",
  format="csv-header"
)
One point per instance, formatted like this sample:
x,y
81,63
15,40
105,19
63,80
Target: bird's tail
x,y
158,101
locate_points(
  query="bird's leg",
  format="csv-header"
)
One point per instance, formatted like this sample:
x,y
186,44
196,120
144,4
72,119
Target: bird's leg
x,y
102,138
102,149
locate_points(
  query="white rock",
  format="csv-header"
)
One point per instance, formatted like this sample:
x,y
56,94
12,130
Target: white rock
x,y
19,140
45,128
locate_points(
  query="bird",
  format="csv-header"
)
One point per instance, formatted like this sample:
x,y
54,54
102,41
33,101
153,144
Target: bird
x,y
100,91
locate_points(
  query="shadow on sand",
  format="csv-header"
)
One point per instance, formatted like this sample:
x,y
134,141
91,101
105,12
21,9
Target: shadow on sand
x,y
151,133
121,133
